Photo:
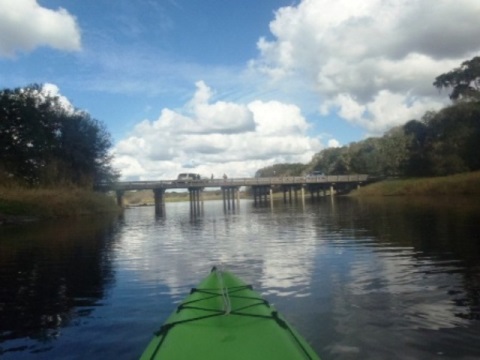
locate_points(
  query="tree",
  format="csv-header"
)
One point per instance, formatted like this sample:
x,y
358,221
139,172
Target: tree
x,y
43,143
28,127
365,156
464,81
295,169
416,163
332,161
452,139
394,152
83,149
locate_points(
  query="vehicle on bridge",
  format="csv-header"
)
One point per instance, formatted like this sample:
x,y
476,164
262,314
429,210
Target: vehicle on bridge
x,y
186,177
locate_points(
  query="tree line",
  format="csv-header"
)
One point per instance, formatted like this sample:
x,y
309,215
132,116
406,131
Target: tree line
x,y
442,142
45,143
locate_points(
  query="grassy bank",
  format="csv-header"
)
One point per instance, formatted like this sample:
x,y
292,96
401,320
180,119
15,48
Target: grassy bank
x,y
467,184
17,203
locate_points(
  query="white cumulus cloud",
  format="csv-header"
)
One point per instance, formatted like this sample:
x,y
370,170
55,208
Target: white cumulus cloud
x,y
372,62
216,137
53,90
26,25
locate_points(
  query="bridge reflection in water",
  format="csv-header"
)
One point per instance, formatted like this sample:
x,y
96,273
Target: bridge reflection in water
x,y
261,188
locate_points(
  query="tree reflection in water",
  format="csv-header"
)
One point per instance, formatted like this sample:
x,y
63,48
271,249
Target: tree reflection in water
x,y
49,270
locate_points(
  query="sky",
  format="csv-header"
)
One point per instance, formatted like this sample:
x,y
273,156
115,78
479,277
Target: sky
x,y
228,87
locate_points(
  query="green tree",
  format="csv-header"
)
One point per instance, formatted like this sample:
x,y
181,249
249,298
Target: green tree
x,y
83,149
333,161
464,81
452,139
365,156
416,163
295,169
42,143
393,152
28,129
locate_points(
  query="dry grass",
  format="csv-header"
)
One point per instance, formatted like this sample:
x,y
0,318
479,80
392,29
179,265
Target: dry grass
x,y
51,203
454,185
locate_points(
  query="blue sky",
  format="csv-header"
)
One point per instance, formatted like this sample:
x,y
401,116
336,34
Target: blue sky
x,y
232,86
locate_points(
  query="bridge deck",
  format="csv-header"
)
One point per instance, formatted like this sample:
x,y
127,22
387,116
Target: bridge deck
x,y
216,183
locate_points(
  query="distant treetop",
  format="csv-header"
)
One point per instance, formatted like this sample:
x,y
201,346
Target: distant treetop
x,y
463,81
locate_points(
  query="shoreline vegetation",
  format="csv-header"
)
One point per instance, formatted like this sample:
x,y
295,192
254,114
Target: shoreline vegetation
x,y
464,184
19,204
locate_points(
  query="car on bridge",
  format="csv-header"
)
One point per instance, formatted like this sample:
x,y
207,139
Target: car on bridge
x,y
187,177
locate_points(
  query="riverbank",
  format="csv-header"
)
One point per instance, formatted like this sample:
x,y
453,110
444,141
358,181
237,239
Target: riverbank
x,y
18,204
467,184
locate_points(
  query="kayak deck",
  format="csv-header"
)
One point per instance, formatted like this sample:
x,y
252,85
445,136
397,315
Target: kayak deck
x,y
224,318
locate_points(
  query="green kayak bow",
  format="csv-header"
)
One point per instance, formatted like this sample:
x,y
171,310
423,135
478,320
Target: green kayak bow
x,y
223,318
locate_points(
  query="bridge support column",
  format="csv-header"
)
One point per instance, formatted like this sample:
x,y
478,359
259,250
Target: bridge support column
x,y
196,200
231,196
158,196
224,197
289,189
119,194
261,194
331,190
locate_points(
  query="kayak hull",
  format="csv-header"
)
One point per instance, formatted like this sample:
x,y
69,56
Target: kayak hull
x,y
224,318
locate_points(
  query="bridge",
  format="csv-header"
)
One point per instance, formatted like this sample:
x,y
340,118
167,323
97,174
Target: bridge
x,y
261,187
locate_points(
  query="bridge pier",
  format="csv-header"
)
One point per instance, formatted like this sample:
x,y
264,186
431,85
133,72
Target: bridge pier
x,y
159,197
196,200
292,188
261,194
231,196
287,189
317,191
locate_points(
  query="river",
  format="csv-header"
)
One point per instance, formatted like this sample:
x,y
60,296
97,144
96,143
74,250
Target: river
x,y
389,278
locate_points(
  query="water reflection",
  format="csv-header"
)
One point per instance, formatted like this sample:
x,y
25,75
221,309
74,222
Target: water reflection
x,y
412,269
50,274
359,278
188,245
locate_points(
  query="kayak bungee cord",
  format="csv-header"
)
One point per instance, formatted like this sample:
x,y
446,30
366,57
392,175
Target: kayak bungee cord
x,y
227,305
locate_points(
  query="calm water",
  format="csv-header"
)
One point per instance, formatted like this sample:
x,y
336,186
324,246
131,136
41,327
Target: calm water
x,y
390,279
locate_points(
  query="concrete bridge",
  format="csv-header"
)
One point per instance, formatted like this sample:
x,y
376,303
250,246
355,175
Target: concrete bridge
x,y
262,188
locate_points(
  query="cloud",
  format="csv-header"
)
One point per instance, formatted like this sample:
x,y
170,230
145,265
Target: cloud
x,y
333,143
370,61
216,137
385,110
53,90
25,25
